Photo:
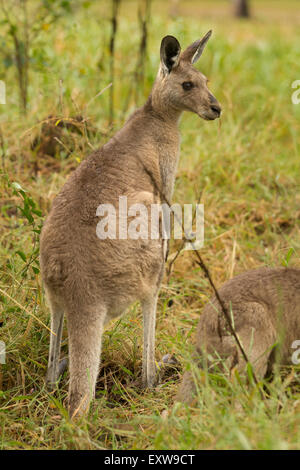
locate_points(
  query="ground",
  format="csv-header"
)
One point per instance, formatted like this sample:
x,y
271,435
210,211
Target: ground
x,y
246,168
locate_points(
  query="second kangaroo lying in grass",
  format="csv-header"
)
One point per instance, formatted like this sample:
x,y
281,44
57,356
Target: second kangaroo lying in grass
x,y
264,305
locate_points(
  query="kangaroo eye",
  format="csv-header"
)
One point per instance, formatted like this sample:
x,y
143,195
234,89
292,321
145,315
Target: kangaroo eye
x,y
187,85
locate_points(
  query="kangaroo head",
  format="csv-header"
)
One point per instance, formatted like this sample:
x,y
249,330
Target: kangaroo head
x,y
180,86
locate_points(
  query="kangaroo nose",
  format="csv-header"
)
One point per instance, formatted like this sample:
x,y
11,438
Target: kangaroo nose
x,y
216,109
214,105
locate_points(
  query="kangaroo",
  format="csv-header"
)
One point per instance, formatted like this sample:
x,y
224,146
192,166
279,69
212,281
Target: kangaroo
x,y
264,305
93,280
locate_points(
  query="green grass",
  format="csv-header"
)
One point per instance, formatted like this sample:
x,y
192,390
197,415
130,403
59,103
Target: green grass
x,y
247,167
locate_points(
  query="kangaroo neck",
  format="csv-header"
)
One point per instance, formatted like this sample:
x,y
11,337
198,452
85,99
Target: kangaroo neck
x,y
165,133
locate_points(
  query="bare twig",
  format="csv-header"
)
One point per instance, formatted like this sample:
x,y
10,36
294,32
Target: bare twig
x,y
144,12
21,50
61,94
114,27
205,269
182,245
2,150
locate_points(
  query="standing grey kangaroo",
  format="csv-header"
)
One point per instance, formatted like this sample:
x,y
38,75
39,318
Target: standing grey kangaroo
x,y
93,280
265,307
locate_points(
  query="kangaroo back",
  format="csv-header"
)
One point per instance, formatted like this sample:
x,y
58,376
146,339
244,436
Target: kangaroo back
x,y
264,305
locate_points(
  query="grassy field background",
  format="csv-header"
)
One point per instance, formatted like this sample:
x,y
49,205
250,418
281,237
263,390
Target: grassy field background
x,y
247,169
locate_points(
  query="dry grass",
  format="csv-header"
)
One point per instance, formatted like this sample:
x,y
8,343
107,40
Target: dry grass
x,y
248,171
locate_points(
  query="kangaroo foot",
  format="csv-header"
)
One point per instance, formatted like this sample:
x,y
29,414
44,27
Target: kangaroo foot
x,y
167,359
62,367
167,366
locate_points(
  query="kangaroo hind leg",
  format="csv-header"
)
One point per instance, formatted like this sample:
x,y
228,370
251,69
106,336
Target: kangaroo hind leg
x,y
57,320
149,317
85,329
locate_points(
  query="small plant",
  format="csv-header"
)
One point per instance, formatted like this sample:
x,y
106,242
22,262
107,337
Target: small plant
x,y
33,215
21,24
286,259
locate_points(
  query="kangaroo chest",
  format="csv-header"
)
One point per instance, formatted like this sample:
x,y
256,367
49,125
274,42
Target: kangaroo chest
x,y
168,162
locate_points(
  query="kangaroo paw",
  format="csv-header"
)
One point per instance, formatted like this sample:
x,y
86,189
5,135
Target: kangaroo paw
x,y
167,359
62,367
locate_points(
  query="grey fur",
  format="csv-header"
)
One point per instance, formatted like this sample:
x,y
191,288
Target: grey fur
x,y
93,281
265,304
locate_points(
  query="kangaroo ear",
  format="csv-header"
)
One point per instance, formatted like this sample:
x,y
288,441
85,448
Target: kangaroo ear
x,y
194,51
169,53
